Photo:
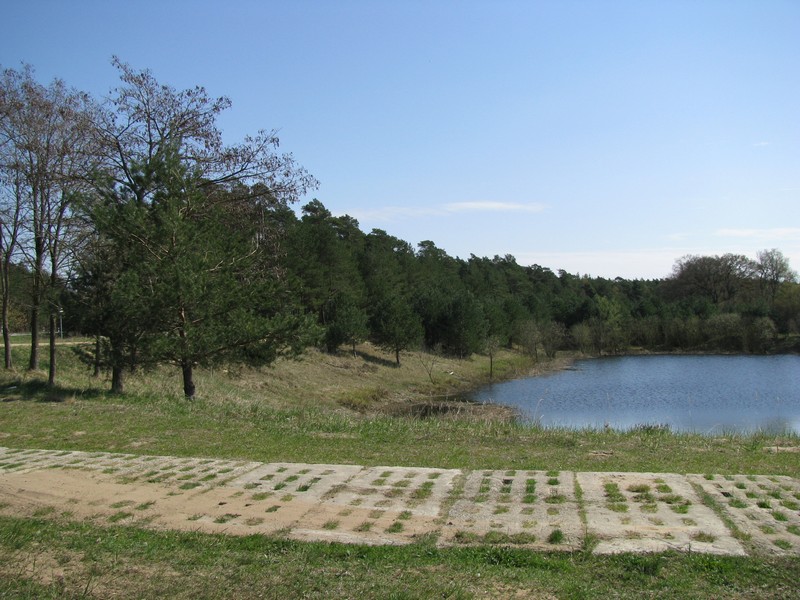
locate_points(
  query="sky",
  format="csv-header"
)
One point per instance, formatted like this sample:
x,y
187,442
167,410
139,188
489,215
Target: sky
x,y
606,138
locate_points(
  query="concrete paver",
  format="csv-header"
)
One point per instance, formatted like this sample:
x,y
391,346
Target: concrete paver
x,y
554,510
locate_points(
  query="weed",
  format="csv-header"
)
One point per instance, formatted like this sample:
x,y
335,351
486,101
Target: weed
x,y
556,537
395,527
44,511
423,492
702,536
226,518
555,499
307,486
466,537
119,516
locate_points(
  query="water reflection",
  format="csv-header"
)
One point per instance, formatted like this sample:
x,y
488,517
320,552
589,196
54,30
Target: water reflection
x,y
707,394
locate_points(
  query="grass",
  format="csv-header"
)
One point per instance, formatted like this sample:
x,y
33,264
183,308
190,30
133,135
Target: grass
x,y
255,414
298,412
101,561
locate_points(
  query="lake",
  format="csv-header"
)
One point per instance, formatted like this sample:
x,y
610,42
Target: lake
x,y
707,394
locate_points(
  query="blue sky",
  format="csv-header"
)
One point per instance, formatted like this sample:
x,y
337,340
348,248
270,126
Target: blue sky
x,y
603,138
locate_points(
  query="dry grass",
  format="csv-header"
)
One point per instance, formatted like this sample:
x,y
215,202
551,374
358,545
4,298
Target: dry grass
x,y
369,383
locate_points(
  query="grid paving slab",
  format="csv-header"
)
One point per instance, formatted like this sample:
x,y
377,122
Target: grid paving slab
x,y
557,510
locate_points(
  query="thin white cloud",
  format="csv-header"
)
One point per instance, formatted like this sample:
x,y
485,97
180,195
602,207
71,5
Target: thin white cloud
x,y
640,263
761,144
396,213
775,233
491,206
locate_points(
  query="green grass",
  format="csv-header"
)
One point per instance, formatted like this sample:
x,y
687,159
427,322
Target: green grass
x,y
110,562
295,412
285,413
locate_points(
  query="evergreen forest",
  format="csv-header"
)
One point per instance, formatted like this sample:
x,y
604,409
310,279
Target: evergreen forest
x,y
128,220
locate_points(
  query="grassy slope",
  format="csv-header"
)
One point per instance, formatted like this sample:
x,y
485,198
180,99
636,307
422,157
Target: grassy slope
x,y
344,410
339,409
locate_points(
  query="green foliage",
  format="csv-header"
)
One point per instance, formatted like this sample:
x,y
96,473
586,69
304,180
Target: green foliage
x,y
182,279
347,323
181,221
396,326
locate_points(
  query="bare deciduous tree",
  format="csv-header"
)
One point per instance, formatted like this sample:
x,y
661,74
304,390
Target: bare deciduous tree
x,y
44,137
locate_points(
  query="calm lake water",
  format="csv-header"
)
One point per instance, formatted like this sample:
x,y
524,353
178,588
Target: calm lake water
x,y
708,394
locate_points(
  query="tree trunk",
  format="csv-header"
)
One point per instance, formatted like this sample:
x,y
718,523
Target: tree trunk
x,y
36,302
51,374
397,356
6,335
116,379
97,348
188,381
33,363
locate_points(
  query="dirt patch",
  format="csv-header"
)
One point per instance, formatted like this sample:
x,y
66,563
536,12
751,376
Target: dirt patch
x,y
456,409
777,449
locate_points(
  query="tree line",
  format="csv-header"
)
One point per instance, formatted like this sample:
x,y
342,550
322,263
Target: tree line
x,y
129,220
373,286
